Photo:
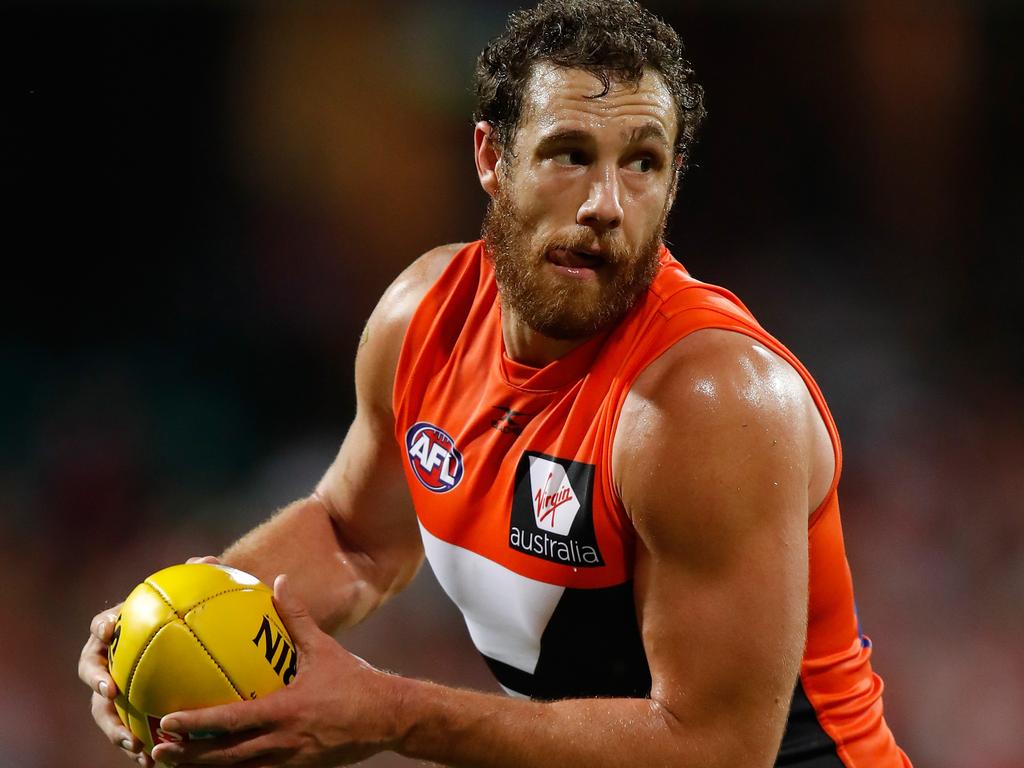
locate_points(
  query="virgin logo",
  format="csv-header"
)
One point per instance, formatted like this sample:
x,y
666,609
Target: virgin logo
x,y
554,502
548,503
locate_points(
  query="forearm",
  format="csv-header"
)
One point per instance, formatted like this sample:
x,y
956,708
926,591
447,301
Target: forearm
x,y
468,729
330,575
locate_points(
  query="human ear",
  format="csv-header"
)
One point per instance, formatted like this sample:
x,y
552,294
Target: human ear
x,y
487,156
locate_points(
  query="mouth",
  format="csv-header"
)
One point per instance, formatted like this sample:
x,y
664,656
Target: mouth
x,y
576,263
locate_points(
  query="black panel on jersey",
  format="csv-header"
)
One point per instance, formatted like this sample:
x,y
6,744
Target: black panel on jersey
x,y
805,743
590,647
510,677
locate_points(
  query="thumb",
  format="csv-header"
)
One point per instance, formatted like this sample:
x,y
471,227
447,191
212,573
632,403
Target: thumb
x,y
296,617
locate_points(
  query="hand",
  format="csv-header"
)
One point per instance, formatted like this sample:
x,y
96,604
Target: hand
x,y
338,710
93,671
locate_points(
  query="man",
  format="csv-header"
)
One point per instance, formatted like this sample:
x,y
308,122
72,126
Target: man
x,y
627,486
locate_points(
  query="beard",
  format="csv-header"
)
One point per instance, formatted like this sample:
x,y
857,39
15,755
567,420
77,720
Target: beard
x,y
557,306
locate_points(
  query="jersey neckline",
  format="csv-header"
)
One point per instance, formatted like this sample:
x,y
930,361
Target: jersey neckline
x,y
556,375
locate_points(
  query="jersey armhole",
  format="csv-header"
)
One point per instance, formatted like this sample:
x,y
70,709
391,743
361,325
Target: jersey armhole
x,y
418,328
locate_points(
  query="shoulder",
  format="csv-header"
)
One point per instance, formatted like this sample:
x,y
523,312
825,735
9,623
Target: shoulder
x,y
712,372
719,416
399,302
381,341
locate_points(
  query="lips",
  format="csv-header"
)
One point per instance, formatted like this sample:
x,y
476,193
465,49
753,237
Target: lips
x,y
563,257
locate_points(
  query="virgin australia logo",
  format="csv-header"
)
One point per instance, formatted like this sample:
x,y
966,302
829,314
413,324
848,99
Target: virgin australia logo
x,y
434,459
552,514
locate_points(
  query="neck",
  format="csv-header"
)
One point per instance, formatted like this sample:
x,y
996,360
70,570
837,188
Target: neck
x,y
527,346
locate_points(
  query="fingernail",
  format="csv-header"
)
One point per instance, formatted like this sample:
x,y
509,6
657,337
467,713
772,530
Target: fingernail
x,y
103,688
142,760
126,744
170,725
101,628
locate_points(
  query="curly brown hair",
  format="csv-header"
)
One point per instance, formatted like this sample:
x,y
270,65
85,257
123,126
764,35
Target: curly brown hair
x,y
615,40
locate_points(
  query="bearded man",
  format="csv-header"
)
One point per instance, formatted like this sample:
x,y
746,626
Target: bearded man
x,y
626,484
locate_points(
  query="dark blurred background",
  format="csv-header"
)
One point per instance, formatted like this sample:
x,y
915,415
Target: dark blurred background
x,y
204,200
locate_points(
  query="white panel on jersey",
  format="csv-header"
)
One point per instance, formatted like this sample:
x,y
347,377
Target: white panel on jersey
x,y
506,613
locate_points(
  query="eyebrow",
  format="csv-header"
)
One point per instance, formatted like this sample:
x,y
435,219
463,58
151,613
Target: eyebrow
x,y
567,136
648,131
576,136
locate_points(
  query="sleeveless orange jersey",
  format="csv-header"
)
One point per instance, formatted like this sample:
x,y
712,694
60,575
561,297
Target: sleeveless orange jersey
x,y
510,471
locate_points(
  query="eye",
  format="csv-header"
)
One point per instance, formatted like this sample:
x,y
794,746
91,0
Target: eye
x,y
570,157
643,164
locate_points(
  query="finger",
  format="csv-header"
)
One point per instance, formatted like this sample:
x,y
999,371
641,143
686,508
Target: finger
x,y
226,750
141,758
296,617
204,559
106,718
225,718
92,668
102,625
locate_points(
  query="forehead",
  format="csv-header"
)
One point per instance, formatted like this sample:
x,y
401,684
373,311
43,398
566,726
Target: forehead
x,y
558,98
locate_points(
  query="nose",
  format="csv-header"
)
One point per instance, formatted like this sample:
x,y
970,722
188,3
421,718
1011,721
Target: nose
x,y
602,210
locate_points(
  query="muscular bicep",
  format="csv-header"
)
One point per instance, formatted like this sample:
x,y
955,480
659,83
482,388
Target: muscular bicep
x,y
716,482
724,631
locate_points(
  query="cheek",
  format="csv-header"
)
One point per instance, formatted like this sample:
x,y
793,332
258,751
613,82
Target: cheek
x,y
645,190
555,191
646,202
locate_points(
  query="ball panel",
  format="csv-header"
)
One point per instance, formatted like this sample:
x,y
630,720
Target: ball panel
x,y
244,633
185,586
143,613
176,672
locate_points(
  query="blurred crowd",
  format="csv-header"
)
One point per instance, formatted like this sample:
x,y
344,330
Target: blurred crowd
x,y
206,199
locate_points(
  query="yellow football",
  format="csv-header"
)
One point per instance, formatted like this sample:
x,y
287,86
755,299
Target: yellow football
x,y
194,636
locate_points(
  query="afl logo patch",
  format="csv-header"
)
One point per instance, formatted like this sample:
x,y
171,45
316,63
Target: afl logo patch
x,y
434,459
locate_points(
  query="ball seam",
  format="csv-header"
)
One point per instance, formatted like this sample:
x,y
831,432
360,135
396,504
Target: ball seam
x,y
200,642
208,598
138,660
